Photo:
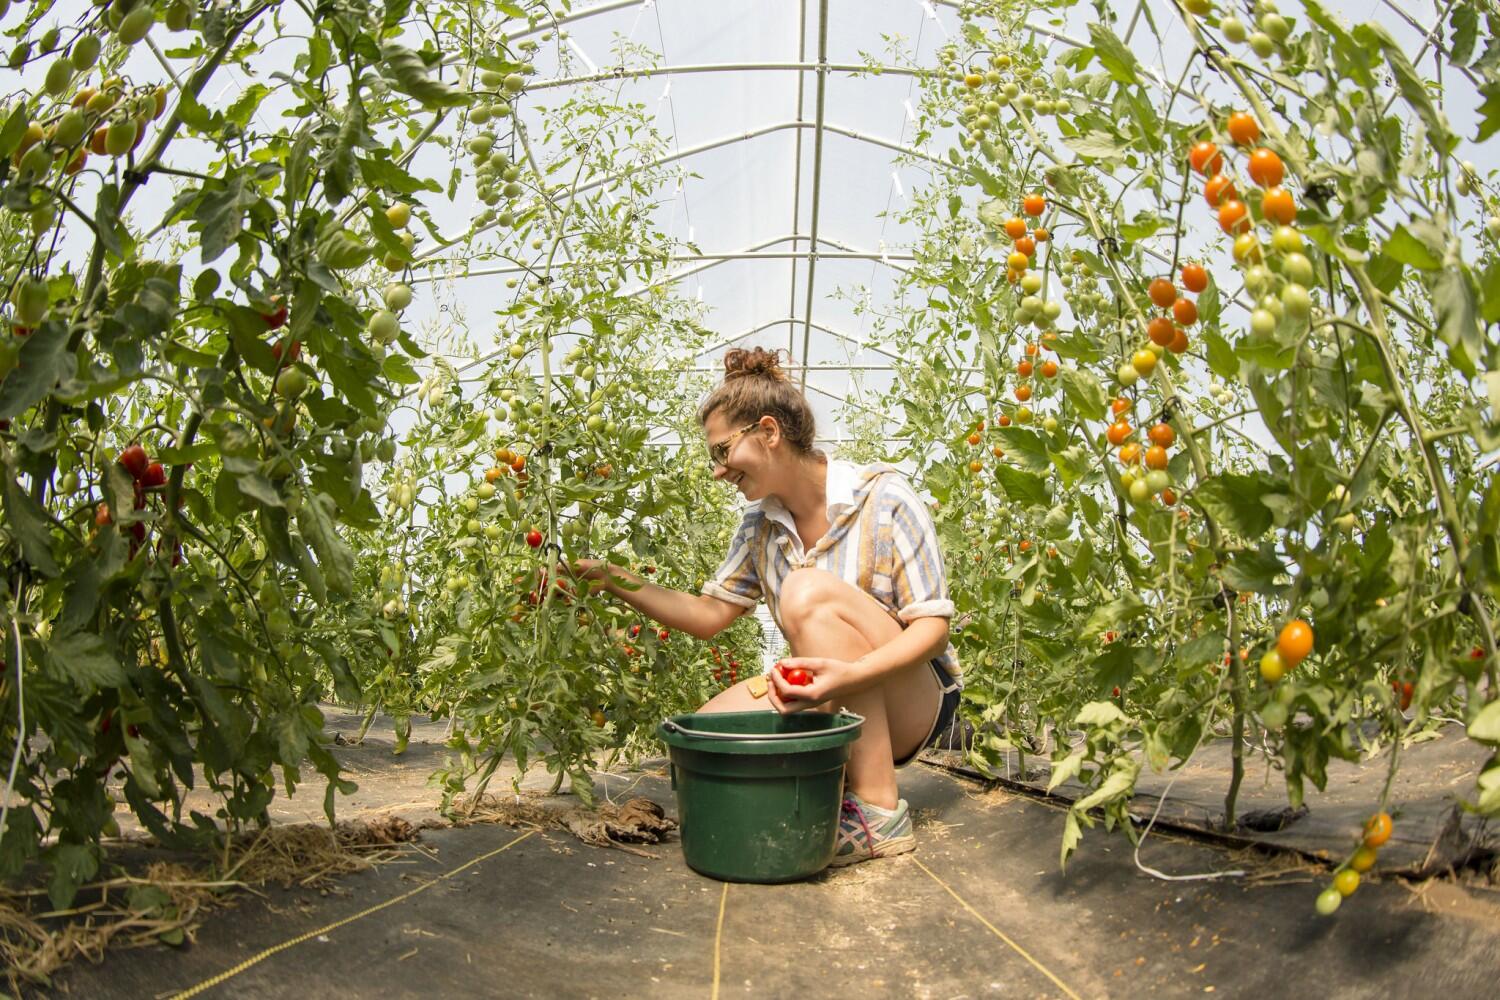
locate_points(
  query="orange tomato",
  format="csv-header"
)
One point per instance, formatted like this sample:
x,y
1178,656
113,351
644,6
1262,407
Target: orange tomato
x,y
974,439
1034,204
1160,330
997,451
1265,168
1217,189
1119,405
1023,392
1005,420
1278,206
1015,227
1295,642
1185,311
1179,341
1026,245
1243,128
1234,217
1130,453
1117,432
1162,292
1049,369
1206,158
976,465
1162,434
1377,830
1031,350
1194,277
1040,234
1023,368
1169,497
1156,457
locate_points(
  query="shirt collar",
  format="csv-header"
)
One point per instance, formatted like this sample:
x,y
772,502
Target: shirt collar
x,y
843,479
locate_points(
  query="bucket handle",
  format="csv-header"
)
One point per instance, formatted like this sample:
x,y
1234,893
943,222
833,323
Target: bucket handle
x,y
671,726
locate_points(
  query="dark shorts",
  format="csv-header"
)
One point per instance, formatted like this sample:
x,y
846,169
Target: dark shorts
x,y
945,714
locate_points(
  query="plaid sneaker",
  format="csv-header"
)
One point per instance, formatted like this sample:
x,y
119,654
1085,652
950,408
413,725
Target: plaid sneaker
x,y
867,831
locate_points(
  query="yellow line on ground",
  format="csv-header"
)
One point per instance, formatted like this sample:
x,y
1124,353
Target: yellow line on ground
x,y
209,984
719,940
1000,934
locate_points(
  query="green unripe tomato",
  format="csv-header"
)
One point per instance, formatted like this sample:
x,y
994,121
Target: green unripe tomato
x,y
1296,301
291,383
1262,322
1262,44
1328,901
70,130
385,451
1158,480
1049,424
473,526
1298,269
1274,716
595,423
517,351
1275,26
1031,283
1287,240
397,296
1233,28
385,326
85,52
59,75
514,83
485,490
1259,280
136,24
1127,374
1140,492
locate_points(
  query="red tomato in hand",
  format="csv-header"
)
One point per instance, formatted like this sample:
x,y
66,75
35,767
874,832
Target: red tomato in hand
x,y
796,676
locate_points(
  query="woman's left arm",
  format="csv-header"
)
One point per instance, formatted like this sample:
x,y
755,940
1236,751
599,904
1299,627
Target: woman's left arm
x,y
924,639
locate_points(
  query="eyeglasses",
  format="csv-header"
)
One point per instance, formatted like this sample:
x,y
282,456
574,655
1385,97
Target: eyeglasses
x,y
718,454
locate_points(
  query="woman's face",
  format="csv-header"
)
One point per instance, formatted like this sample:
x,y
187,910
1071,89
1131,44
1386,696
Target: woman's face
x,y
742,457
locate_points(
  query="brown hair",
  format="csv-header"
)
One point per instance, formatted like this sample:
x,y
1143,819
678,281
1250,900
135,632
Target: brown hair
x,y
755,385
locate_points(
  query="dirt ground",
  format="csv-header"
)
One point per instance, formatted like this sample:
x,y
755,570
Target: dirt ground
x,y
981,909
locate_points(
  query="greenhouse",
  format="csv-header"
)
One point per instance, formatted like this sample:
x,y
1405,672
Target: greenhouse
x,y
915,498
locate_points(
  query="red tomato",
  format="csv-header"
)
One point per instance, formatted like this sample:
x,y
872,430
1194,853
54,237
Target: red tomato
x,y
155,476
534,538
1185,311
1278,206
133,459
1194,277
1160,330
663,635
1234,217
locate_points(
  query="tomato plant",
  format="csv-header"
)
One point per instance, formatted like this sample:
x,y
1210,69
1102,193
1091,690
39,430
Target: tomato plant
x,y
1309,492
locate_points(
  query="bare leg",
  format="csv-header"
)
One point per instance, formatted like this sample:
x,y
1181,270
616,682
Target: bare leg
x,y
824,616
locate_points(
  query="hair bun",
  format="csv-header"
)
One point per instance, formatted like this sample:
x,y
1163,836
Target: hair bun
x,y
754,362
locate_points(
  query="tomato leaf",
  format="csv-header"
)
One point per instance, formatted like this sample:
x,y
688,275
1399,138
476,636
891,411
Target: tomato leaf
x,y
72,865
1023,487
1486,725
1413,90
1085,392
1108,617
1458,326
1489,111
1222,359
1026,447
1113,54
1256,571
44,361
30,525
1405,247
315,521
86,659
1233,501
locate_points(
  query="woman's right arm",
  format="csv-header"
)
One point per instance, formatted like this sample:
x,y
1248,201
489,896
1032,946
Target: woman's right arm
x,y
698,615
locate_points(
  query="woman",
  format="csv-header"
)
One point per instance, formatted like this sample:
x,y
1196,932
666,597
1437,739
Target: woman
x,y
848,561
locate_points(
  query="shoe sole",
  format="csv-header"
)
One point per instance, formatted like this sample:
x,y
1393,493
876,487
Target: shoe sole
x,y
888,848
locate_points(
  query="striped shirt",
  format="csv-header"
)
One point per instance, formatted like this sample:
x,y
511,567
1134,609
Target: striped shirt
x,y
880,539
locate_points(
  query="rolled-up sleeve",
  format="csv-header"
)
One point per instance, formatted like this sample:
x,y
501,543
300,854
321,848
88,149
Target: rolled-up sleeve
x,y
917,573
737,580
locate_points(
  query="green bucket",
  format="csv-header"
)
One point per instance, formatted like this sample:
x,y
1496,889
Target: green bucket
x,y
758,793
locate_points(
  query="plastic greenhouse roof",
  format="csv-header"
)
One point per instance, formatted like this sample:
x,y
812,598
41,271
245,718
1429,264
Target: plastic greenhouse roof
x,y
737,92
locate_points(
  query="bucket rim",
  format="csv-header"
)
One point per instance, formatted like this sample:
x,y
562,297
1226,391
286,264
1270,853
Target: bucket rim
x,y
672,726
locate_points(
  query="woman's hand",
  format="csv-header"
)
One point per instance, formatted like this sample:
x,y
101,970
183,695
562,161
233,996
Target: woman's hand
x,y
597,572
826,679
